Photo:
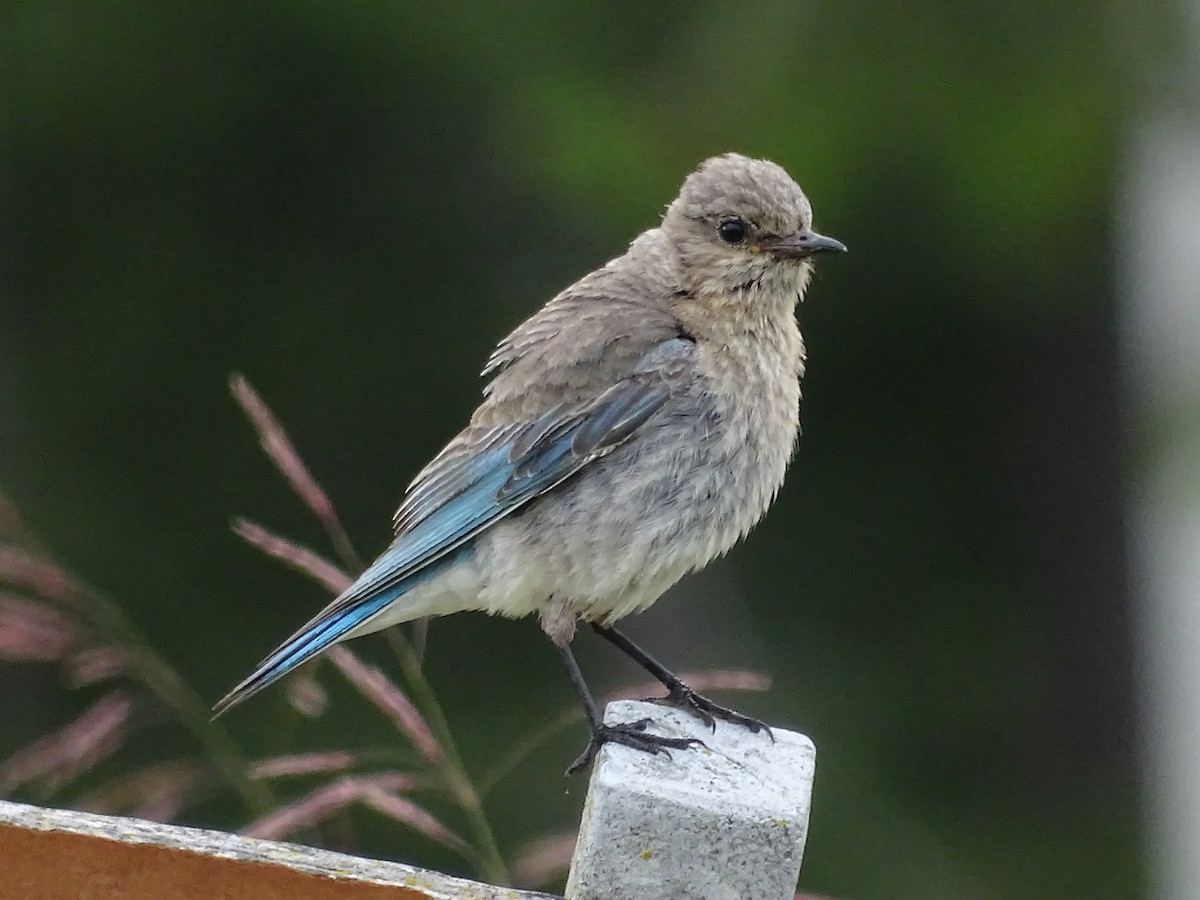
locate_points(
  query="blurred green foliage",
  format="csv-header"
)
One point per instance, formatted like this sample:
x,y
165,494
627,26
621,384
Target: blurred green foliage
x,y
353,202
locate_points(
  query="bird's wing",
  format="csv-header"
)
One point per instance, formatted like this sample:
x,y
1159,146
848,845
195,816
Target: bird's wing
x,y
477,480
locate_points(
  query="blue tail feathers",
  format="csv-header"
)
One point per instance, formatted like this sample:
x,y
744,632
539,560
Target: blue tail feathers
x,y
331,625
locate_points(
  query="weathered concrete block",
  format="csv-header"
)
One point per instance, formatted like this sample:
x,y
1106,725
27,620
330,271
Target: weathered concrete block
x,y
725,822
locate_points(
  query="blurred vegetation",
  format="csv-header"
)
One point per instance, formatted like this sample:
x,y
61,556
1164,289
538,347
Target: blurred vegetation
x,y
352,203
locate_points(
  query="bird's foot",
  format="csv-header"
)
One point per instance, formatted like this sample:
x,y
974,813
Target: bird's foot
x,y
707,711
632,734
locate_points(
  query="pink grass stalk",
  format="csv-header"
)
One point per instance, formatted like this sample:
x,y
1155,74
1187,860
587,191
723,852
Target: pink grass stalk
x,y
62,756
541,861
95,664
314,808
157,793
707,680
45,579
292,555
34,632
305,694
302,764
282,452
408,813
389,698
306,812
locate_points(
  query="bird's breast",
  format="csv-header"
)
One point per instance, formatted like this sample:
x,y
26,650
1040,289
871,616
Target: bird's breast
x,y
755,408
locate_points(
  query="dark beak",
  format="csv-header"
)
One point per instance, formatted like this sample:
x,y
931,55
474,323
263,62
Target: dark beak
x,y
803,243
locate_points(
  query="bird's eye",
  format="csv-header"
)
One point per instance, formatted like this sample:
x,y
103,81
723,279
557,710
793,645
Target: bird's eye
x,y
732,231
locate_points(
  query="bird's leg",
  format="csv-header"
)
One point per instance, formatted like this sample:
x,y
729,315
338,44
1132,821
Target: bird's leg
x,y
632,734
678,693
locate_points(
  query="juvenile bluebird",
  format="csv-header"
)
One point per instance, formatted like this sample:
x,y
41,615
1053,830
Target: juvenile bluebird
x,y
633,429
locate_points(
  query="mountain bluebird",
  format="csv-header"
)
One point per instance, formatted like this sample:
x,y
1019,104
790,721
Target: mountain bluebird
x,y
633,429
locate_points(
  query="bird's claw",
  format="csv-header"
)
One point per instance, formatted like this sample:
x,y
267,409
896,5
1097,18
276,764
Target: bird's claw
x,y
631,734
707,711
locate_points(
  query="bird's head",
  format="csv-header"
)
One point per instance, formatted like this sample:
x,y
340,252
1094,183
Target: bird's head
x,y
742,226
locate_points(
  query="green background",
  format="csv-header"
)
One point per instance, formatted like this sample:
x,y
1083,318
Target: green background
x,y
351,203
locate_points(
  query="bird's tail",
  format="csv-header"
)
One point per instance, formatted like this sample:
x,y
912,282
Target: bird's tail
x,y
383,584
329,627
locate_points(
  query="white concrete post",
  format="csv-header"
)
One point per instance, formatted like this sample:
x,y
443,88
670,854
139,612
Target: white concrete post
x,y
725,822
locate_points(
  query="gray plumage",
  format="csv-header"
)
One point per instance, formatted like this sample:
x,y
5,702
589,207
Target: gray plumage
x,y
633,429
